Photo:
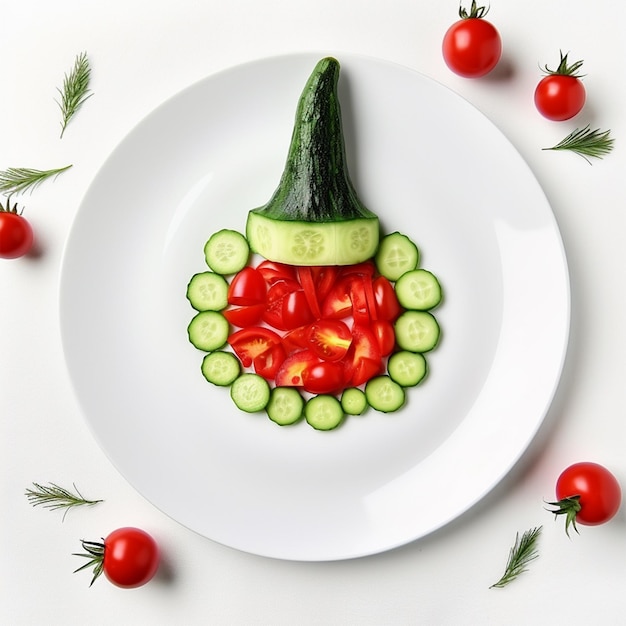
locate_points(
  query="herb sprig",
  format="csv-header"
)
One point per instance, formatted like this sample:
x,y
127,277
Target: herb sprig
x,y
75,89
53,497
521,554
587,143
19,179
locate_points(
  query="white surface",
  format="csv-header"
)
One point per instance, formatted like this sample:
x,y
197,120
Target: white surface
x,y
505,316
143,53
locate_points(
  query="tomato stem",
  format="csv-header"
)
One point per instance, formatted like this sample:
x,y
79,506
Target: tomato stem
x,y
564,69
475,12
569,507
94,551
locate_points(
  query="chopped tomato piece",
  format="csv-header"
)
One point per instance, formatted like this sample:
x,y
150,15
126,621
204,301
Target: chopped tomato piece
x,y
244,316
366,268
387,305
249,343
360,310
290,372
385,336
296,339
323,377
329,339
247,287
324,277
295,310
267,363
337,303
365,359
273,271
305,276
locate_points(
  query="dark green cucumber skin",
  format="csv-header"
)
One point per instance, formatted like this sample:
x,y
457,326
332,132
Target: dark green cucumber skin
x,y
315,185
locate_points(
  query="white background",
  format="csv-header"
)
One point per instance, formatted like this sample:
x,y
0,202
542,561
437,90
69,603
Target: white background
x,y
142,52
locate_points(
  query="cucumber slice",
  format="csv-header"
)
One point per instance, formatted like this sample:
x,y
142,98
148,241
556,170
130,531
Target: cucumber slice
x,y
227,251
208,330
294,242
417,331
221,368
384,394
285,406
418,289
323,412
353,401
407,368
250,393
396,255
207,291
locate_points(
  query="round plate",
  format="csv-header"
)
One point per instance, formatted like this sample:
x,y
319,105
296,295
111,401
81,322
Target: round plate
x,y
418,155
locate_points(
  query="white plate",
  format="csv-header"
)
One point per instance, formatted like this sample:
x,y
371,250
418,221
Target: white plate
x,y
428,164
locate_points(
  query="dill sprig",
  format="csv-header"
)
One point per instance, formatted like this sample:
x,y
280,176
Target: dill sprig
x,y
587,143
521,554
53,497
19,179
75,89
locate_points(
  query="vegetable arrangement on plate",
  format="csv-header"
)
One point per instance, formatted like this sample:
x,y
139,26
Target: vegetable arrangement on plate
x,y
312,313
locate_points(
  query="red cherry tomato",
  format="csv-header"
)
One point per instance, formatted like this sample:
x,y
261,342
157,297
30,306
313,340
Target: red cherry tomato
x,y
16,234
387,305
244,316
385,336
268,363
561,95
323,377
472,46
247,288
365,360
273,271
587,493
249,343
329,339
290,372
337,303
129,557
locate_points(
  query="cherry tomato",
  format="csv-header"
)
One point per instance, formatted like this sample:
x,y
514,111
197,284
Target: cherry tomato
x,y
587,493
324,277
129,557
561,95
286,311
16,234
290,372
365,360
249,343
244,316
323,377
247,288
268,363
273,271
329,339
337,303
387,305
472,46
385,336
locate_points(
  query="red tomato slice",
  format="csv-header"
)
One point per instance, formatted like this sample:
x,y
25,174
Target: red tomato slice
x,y
385,336
305,275
275,300
323,377
267,363
296,311
296,339
387,305
247,287
337,303
360,310
324,277
366,268
249,343
329,339
364,356
364,369
273,271
290,372
244,316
